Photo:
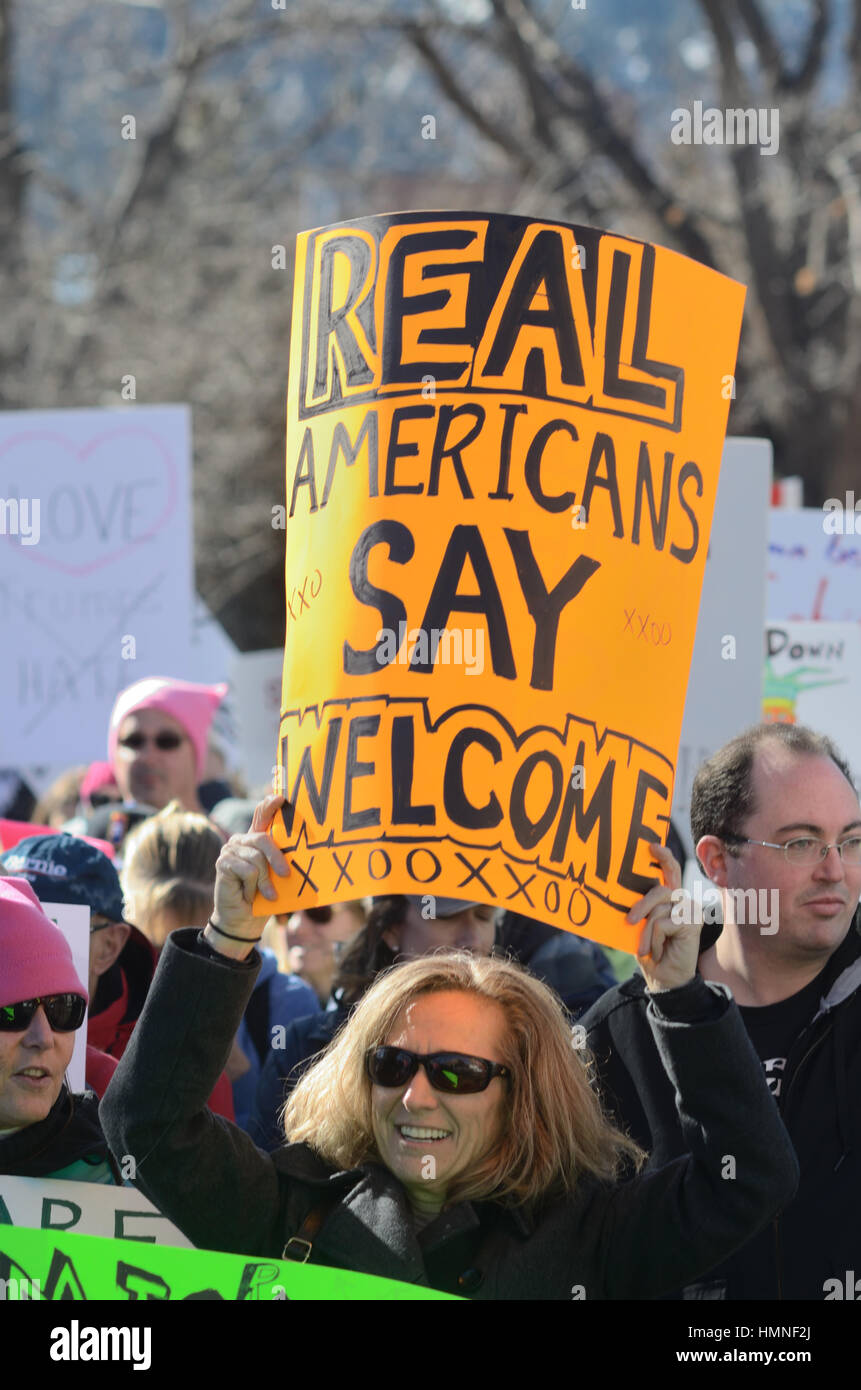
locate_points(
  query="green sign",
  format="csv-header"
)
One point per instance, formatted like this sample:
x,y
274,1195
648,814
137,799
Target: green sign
x,y
54,1265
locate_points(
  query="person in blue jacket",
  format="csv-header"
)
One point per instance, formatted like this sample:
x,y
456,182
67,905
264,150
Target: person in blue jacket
x,y
278,1004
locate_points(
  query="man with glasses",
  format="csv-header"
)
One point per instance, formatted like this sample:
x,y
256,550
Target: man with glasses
x,y
46,1131
775,817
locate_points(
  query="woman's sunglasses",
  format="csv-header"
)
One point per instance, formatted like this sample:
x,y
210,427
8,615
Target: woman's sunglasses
x,y
97,799
166,742
452,1072
64,1012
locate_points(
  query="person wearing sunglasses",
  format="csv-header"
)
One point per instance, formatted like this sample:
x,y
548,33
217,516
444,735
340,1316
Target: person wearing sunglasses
x,y
45,1130
66,869
776,822
399,927
63,868
316,938
449,1136
157,740
99,788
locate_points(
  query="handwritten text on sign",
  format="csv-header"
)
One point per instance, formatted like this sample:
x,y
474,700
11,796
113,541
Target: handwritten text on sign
x,y
502,457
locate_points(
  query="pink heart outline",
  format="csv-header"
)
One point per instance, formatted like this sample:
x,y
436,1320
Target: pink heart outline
x,y
82,454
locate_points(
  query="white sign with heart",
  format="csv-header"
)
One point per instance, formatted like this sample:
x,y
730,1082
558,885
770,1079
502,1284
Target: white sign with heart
x,y
95,570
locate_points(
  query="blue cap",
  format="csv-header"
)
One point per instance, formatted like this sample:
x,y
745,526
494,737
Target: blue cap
x,y
65,869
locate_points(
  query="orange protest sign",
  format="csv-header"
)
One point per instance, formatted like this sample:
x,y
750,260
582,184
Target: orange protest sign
x,y
503,445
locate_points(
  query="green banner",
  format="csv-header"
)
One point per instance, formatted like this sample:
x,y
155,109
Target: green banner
x,y
50,1265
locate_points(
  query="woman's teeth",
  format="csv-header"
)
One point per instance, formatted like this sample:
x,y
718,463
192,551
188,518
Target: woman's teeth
x,y
414,1132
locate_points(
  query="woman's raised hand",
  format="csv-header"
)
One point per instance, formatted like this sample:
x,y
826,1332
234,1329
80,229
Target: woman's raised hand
x,y
241,871
669,942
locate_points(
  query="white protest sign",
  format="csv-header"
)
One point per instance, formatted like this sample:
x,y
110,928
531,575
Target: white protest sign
x,y
211,652
256,693
813,572
87,1208
73,919
210,658
95,570
813,677
725,685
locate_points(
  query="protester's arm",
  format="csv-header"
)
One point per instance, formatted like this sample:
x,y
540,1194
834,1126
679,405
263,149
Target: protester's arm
x,y
203,1172
675,1223
627,1074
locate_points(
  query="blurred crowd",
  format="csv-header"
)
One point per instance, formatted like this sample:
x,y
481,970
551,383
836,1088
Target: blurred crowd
x,y
139,840
136,839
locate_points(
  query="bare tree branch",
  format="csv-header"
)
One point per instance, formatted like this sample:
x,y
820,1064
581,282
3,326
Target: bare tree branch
x,y
811,64
495,134
768,52
541,105
587,108
13,164
766,261
853,39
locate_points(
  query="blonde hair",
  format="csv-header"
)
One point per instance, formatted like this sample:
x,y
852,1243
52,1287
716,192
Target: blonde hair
x,y
554,1133
169,866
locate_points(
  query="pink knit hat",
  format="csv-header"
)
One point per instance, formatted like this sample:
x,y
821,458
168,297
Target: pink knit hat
x,y
193,706
36,957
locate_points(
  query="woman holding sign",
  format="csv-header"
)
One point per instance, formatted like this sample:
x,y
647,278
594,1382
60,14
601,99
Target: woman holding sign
x,y
449,1137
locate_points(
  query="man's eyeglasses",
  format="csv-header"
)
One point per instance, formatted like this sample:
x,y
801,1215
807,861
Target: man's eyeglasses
x,y
806,849
165,742
64,1012
452,1072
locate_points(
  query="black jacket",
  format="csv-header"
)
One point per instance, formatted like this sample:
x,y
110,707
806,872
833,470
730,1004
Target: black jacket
x,y
630,1240
818,1236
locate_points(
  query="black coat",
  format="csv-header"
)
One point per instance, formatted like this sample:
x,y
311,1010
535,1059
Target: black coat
x,y
632,1240
818,1236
